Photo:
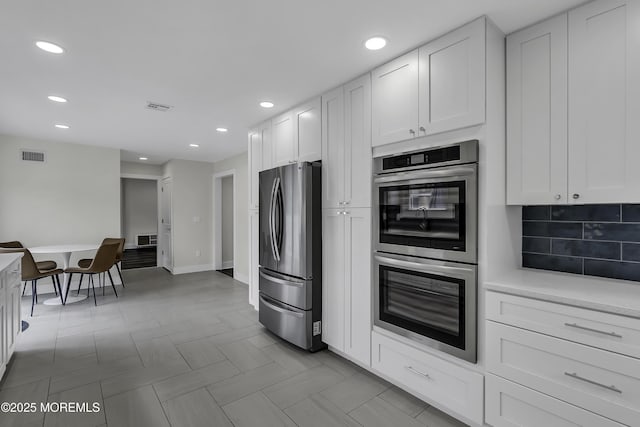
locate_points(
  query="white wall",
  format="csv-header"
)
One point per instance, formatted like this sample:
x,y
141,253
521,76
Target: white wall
x,y
239,163
192,215
74,197
139,208
227,222
140,169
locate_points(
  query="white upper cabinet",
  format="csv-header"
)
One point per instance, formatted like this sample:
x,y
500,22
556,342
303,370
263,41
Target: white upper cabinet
x,y
585,148
537,113
307,131
255,165
437,88
604,102
346,145
282,142
267,152
395,100
358,156
452,80
333,148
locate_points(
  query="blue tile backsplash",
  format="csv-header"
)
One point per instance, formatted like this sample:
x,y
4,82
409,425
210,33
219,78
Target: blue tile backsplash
x,y
594,240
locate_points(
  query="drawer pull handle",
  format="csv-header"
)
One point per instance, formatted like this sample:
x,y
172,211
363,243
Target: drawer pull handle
x,y
575,325
608,387
415,371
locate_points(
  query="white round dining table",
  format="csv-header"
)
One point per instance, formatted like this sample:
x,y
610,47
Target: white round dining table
x,y
65,251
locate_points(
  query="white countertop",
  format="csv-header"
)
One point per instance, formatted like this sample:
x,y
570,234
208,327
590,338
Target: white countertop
x,y
596,293
6,259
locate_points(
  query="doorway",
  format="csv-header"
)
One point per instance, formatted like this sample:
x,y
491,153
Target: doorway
x,y
139,205
224,234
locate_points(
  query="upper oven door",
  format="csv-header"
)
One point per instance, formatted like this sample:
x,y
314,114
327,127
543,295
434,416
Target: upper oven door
x,y
428,212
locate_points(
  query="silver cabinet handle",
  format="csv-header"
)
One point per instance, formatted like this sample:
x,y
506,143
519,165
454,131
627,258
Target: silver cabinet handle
x,y
586,380
557,197
415,371
422,129
346,202
575,325
345,212
576,196
412,132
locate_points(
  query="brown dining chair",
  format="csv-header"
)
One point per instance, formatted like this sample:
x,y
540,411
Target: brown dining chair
x,y
42,265
85,262
100,264
31,272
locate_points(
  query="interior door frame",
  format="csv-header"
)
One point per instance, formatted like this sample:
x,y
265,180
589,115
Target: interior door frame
x,y
158,179
217,217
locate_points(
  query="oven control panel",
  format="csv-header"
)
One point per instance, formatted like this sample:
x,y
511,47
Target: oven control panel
x,y
462,152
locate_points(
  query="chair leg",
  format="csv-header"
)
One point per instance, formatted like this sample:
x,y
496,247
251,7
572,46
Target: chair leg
x,y
80,284
55,289
112,285
24,288
68,287
36,287
120,274
59,288
94,291
102,283
33,295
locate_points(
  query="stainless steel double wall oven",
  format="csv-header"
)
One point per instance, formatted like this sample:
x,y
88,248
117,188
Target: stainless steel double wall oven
x,y
425,240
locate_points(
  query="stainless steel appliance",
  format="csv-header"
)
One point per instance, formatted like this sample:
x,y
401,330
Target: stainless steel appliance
x,y
425,231
290,269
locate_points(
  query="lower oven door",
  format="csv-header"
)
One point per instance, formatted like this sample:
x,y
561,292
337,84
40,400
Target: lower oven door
x,y
431,302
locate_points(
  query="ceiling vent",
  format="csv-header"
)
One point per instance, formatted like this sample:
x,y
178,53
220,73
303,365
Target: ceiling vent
x,y
157,107
32,156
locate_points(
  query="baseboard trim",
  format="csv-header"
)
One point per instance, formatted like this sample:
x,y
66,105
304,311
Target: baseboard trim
x,y
227,264
192,269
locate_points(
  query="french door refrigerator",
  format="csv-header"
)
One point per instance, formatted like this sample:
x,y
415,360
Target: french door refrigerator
x,y
290,272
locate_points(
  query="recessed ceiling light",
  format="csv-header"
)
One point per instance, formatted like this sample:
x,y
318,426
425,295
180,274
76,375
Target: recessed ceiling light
x,y
143,158
49,47
60,126
56,98
375,43
266,104
194,145
222,129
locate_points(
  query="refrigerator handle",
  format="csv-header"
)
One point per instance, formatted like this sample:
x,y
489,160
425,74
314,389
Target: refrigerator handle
x,y
272,208
280,223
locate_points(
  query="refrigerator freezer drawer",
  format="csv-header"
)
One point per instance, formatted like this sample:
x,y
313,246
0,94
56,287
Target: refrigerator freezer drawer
x,y
289,290
287,322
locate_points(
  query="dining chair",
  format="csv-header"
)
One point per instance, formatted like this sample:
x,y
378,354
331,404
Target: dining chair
x,y
100,264
42,265
85,262
31,272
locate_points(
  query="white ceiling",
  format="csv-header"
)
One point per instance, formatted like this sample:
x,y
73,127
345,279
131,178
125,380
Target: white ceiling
x,y
212,60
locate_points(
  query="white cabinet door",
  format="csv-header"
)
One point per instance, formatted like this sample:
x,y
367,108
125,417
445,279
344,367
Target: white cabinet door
x,y
255,165
4,359
452,80
254,257
13,316
395,100
357,156
357,298
604,102
537,114
333,149
307,131
333,278
282,142
267,151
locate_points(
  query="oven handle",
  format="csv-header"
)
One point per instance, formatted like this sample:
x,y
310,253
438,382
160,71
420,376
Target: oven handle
x,y
430,268
426,174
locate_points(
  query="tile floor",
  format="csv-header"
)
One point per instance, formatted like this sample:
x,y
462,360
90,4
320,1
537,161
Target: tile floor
x,y
188,351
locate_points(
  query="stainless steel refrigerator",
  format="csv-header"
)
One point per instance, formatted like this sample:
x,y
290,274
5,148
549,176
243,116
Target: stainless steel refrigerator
x,y
290,298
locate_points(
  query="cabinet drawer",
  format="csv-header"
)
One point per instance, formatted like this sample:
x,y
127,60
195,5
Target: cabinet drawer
x,y
511,405
600,381
620,334
429,377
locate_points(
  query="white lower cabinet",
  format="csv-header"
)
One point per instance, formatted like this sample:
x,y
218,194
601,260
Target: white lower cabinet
x,y
10,314
511,405
254,256
346,282
430,378
577,365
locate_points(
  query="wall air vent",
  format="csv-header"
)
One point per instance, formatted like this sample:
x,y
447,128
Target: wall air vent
x,y
158,107
32,156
